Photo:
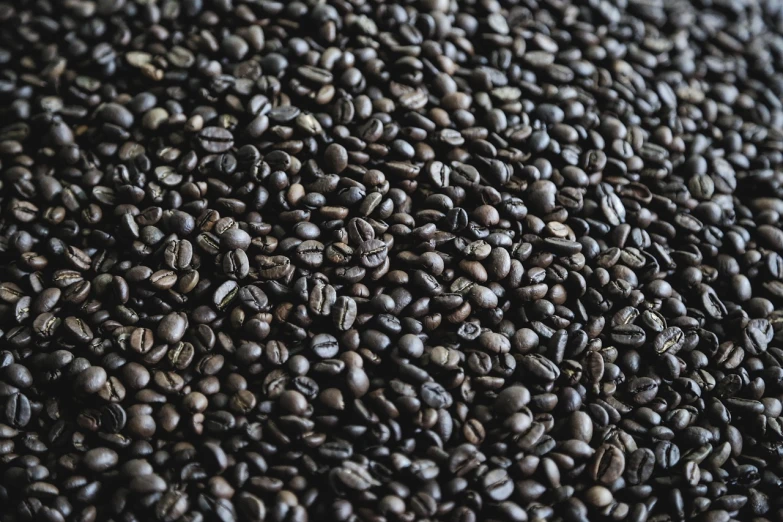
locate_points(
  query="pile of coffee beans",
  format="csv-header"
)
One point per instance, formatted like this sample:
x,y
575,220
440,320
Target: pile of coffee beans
x,y
404,260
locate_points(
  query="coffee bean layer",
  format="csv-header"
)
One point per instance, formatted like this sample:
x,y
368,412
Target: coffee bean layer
x,y
391,261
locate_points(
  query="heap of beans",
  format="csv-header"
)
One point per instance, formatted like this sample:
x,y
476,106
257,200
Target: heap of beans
x,y
406,260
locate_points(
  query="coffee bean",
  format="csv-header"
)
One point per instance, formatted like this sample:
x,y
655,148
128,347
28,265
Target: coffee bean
x,y
113,418
324,346
275,267
10,293
78,329
116,114
163,279
90,380
17,410
46,324
178,254
100,459
562,246
321,299
667,455
639,466
215,139
17,375
225,294
315,74
628,335
181,355
352,476
539,367
372,253
642,389
608,464
235,238
669,341
172,328
435,396
253,298
512,399
141,340
498,485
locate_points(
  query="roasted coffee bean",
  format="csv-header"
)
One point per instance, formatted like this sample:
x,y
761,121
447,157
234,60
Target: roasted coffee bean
x,y
608,464
512,399
628,335
17,410
172,328
178,254
90,380
372,253
539,367
100,459
141,340
215,139
669,341
275,267
324,346
78,329
113,418
181,355
225,294
639,466
667,454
